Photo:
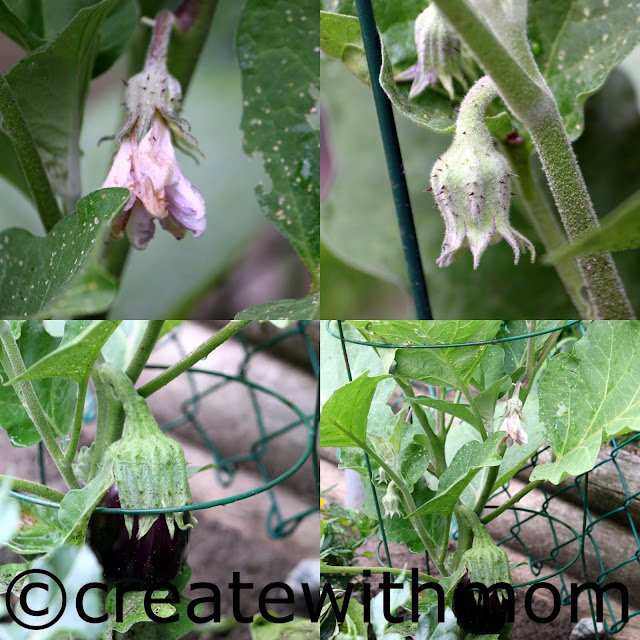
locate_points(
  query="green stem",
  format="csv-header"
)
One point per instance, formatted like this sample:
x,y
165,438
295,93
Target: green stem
x,y
196,355
548,346
530,368
451,419
546,224
480,533
326,569
407,499
490,480
436,446
440,395
26,486
146,346
445,543
465,536
30,161
14,366
513,500
77,424
110,421
533,103
134,405
476,411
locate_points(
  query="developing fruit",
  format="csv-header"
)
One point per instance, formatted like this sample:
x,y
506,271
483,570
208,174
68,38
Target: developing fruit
x,y
474,614
154,558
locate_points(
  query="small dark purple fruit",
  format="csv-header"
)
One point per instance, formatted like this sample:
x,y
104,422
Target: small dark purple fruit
x,y
155,558
479,617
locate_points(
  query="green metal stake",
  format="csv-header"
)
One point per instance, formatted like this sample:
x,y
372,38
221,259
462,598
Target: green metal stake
x,y
395,166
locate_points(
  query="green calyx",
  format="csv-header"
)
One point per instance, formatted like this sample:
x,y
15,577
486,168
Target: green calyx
x,y
471,185
149,467
485,561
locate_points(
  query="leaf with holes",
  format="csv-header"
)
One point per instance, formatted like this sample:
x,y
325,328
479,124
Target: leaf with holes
x,y
60,274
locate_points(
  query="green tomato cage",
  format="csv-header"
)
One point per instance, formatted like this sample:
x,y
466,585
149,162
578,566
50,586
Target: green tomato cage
x,y
564,544
277,526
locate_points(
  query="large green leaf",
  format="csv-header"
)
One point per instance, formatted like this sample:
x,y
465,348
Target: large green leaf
x,y
343,421
469,459
74,567
589,395
51,85
451,366
277,44
13,27
60,274
57,397
31,24
578,44
333,370
75,357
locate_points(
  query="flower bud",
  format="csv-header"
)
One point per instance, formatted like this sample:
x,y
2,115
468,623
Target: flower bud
x,y
439,54
470,183
391,501
512,425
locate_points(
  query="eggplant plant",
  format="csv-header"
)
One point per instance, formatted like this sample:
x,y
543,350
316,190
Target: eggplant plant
x,y
510,80
470,417
47,369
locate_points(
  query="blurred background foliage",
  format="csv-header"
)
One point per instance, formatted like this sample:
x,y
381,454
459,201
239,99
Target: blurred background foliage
x,y
241,259
364,271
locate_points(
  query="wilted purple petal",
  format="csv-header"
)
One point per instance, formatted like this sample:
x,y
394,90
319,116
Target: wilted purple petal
x,y
120,174
140,227
186,204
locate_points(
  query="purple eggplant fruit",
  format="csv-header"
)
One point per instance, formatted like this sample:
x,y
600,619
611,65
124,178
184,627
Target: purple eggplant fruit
x,y
474,614
156,557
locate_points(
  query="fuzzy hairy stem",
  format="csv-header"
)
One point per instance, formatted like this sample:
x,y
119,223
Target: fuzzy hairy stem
x,y
546,224
196,355
26,486
14,366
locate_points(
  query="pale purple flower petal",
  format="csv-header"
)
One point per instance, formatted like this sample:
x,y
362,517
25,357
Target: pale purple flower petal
x,y
140,227
515,432
121,173
159,189
186,204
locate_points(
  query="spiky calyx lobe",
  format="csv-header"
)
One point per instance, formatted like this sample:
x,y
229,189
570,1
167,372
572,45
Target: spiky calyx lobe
x,y
471,185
